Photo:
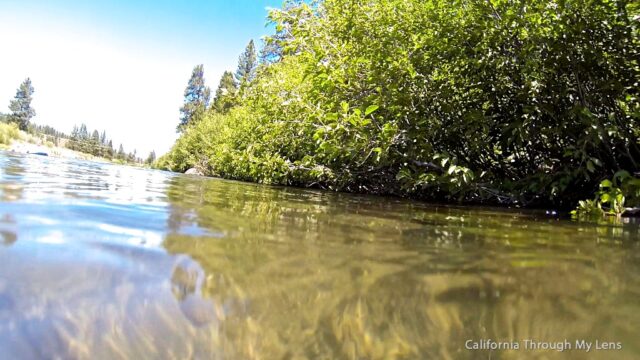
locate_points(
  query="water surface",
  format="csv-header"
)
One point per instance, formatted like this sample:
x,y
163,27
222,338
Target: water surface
x,y
100,261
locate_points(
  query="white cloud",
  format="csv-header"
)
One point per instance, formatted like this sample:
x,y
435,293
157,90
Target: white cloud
x,y
131,90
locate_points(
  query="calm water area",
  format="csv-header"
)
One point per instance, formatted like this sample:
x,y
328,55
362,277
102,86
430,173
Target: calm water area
x,y
103,261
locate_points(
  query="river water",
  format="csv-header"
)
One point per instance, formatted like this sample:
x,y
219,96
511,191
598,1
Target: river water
x,y
100,261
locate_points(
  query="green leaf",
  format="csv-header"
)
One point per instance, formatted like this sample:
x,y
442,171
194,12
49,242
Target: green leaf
x,y
621,176
370,109
606,184
332,116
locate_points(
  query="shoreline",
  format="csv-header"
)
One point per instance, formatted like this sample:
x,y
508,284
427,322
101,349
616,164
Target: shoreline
x,y
27,147
27,143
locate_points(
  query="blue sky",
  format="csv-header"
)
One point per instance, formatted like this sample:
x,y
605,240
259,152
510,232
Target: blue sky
x,y
121,65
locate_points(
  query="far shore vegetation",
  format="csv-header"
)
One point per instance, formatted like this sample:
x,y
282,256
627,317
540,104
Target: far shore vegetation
x,y
17,126
527,103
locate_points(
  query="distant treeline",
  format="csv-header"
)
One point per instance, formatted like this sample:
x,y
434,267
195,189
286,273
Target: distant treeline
x,y
97,144
81,139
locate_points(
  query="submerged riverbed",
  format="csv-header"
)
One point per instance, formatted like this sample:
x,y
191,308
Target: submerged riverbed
x,y
100,261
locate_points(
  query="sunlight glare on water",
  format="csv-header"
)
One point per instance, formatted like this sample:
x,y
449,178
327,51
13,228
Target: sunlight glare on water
x,y
101,261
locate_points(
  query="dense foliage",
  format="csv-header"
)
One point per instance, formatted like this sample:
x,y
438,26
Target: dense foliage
x,y
225,94
521,102
618,196
8,133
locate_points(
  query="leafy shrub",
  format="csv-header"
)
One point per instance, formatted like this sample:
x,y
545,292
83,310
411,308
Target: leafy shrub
x,y
529,102
8,133
612,197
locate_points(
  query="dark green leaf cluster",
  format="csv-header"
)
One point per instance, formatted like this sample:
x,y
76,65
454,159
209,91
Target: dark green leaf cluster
x,y
615,196
520,102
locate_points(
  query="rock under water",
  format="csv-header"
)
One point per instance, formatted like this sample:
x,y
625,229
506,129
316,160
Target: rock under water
x,y
194,171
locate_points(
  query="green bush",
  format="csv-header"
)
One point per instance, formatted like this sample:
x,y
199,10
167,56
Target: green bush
x,y
526,102
613,197
8,133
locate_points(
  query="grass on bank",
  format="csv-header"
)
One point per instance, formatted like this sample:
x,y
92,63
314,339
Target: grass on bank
x,y
8,133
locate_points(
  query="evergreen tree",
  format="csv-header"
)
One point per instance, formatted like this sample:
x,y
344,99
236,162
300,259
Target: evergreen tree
x,y
95,136
247,64
94,143
225,94
132,156
196,98
121,155
151,158
110,150
73,141
83,139
21,110
83,133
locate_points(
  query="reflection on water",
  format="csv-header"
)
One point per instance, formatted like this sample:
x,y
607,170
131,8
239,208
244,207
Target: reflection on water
x,y
104,261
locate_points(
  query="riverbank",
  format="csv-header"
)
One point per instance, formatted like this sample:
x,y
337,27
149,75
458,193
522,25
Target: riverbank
x,y
467,112
30,144
21,142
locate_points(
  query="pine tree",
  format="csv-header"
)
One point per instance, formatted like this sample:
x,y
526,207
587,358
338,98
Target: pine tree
x,y
95,136
151,158
225,94
110,150
196,98
94,143
121,155
84,133
21,110
247,64
132,156
73,142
